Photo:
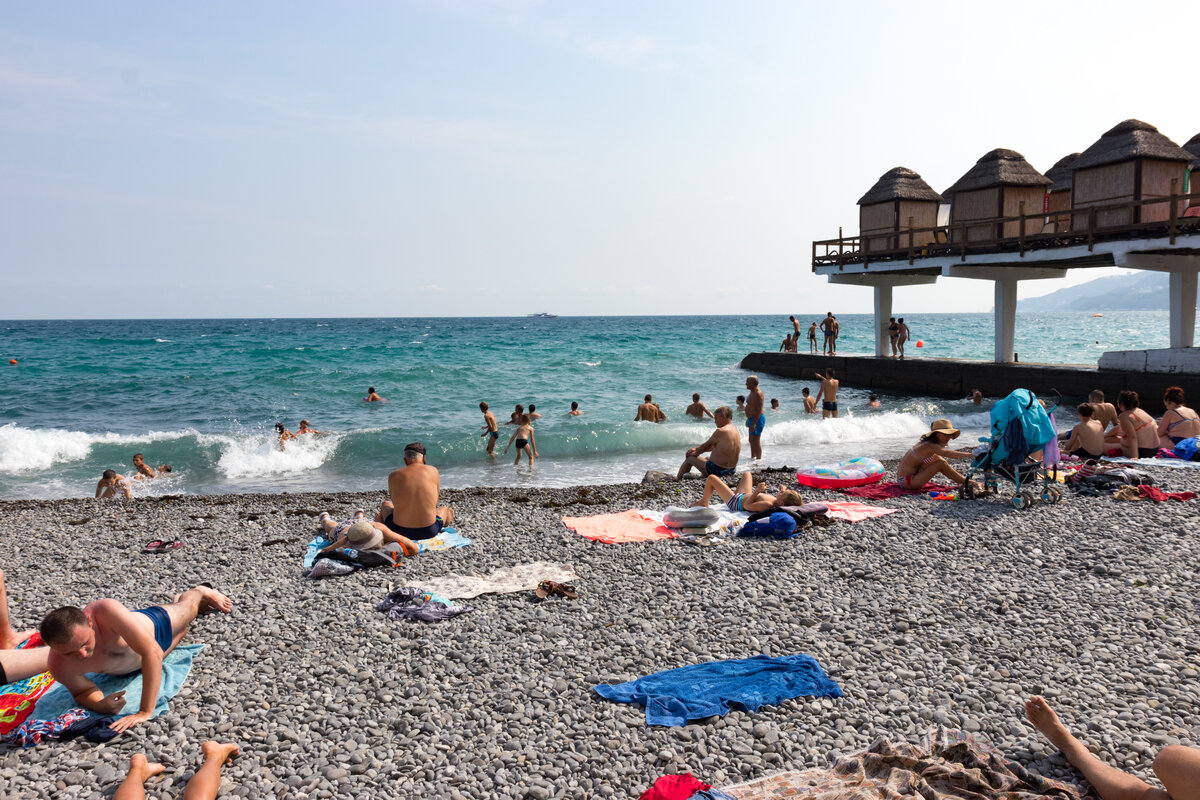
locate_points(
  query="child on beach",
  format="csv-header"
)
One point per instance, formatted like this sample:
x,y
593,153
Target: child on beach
x,y
145,471
741,498
112,484
491,429
284,434
523,437
372,397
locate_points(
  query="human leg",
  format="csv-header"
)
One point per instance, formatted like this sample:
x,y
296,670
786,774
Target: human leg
x,y
1178,768
714,484
8,637
191,604
134,785
447,515
385,511
1109,782
755,446
688,463
409,547
207,780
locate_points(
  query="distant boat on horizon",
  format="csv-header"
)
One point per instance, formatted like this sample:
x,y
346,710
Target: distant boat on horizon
x,y
542,315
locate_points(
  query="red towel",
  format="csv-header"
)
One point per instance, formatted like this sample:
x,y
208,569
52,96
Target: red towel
x,y
884,491
1159,496
674,787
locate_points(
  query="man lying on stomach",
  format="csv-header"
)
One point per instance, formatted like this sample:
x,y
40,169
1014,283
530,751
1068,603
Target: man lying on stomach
x,y
108,638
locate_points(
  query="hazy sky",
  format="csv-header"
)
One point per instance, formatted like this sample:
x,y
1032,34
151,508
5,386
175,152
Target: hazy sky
x,y
493,158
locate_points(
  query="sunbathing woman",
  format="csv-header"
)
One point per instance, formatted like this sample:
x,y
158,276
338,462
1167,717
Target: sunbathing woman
x,y
743,499
1179,422
17,665
1136,433
1178,767
927,458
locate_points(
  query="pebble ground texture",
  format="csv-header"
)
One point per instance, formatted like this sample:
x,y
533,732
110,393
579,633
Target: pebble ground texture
x,y
946,612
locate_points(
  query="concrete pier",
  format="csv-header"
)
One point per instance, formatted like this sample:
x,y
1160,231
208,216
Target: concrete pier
x,y
957,377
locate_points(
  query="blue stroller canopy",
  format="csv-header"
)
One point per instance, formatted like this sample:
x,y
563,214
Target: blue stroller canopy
x,y
1033,423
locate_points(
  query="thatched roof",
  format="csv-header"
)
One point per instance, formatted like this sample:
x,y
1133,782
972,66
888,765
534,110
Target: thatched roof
x,y
1062,174
1193,147
1131,139
900,183
998,168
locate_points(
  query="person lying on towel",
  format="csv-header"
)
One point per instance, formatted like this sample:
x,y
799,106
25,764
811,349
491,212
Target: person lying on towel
x,y
106,637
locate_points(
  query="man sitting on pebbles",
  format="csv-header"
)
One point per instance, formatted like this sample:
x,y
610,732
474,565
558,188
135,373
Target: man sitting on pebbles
x,y
413,511
725,444
108,638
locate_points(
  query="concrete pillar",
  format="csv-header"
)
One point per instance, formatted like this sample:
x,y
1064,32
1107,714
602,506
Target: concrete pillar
x,y
1006,318
883,310
1183,308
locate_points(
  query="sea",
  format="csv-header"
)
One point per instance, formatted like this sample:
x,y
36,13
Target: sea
x,y
204,395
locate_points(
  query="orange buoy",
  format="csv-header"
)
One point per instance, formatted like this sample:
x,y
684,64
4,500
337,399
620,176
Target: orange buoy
x,y
920,343
12,361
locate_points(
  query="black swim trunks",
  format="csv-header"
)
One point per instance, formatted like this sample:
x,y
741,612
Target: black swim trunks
x,y
1079,452
520,443
713,469
416,534
1147,452
827,405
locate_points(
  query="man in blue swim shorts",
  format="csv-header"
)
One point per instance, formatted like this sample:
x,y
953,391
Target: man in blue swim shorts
x,y
725,445
756,420
108,638
413,511
827,394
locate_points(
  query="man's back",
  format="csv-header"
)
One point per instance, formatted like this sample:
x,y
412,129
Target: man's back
x,y
414,492
829,388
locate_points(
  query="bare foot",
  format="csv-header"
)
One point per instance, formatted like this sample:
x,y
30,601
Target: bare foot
x,y
1042,716
217,751
143,769
212,600
8,640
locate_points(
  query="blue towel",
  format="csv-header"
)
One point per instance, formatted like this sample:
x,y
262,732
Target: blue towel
x,y
448,539
678,695
315,546
176,667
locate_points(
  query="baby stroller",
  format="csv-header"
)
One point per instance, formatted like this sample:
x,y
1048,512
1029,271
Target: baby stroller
x,y
1020,426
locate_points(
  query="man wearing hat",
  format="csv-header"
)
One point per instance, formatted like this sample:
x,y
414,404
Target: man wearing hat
x,y
927,457
413,511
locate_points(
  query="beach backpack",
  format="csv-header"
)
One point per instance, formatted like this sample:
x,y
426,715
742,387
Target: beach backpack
x,y
779,525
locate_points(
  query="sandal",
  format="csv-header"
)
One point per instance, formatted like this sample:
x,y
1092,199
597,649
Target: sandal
x,y
174,544
153,547
547,588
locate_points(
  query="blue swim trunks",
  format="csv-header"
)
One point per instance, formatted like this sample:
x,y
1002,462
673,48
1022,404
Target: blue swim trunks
x,y
162,625
756,426
494,434
713,469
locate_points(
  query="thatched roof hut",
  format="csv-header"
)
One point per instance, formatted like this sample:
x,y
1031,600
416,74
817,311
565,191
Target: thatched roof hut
x,y
996,186
1129,163
1058,196
1193,147
898,200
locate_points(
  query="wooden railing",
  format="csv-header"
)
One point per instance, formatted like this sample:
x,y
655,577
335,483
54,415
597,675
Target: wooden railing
x,y
1082,226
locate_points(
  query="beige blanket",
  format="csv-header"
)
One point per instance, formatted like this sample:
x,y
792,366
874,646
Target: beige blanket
x,y
953,766
520,578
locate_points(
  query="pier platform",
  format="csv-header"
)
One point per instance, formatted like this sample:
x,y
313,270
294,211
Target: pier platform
x,y
957,377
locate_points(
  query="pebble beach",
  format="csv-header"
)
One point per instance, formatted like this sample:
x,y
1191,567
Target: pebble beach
x,y
945,613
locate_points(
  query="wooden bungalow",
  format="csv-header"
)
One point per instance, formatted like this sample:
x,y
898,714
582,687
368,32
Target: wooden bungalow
x,y
1193,147
1001,184
899,200
1058,195
1131,162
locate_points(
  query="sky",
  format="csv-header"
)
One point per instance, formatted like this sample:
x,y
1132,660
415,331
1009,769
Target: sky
x,y
463,158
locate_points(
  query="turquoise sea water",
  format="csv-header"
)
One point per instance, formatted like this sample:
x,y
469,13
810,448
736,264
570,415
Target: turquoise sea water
x,y
203,395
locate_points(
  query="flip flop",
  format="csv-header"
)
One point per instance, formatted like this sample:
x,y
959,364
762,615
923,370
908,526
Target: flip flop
x,y
153,547
174,544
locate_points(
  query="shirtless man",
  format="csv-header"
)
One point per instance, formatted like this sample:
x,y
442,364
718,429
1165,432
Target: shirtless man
x,y
533,413
523,438
372,397
106,637
810,402
518,413
741,405
413,510
873,402
697,409
491,429
143,469
977,397
795,327
575,412
725,445
756,420
1105,413
786,347
827,325
774,403
902,336
1087,438
111,485
827,394
659,414
812,338
305,429
646,411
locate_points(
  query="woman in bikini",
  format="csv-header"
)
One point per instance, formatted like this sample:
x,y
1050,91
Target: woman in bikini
x,y
893,334
742,498
1135,431
927,458
1179,422
523,438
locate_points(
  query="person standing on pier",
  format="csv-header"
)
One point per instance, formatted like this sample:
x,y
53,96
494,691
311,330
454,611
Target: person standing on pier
x,y
795,328
893,333
829,326
902,335
827,394
812,338
756,420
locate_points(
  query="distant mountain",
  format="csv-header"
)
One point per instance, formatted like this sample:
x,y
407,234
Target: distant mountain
x,y
1143,291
